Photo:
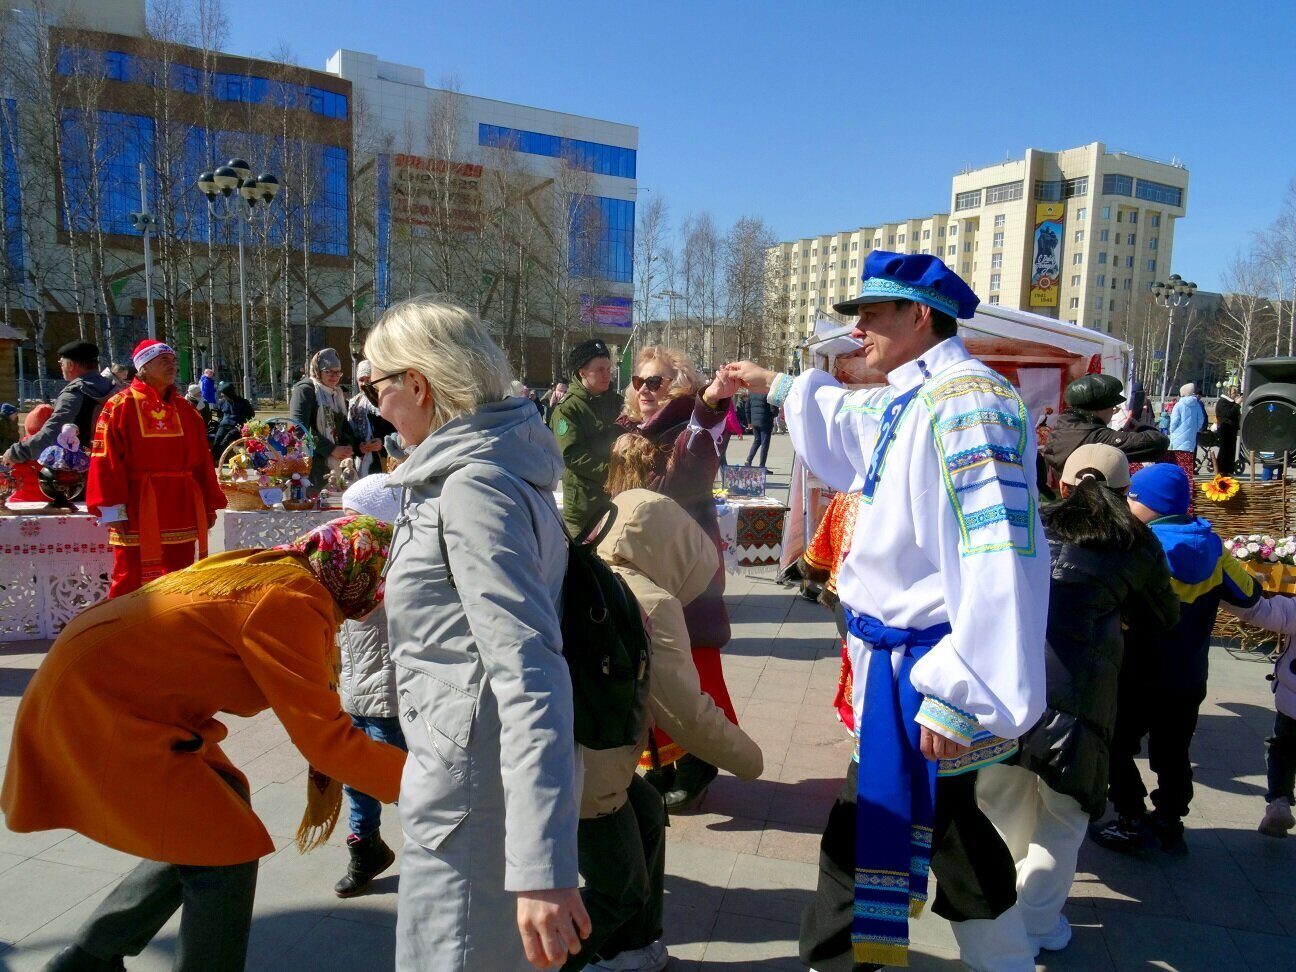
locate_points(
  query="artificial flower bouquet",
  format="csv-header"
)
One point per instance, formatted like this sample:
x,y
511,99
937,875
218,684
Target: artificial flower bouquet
x,y
1258,549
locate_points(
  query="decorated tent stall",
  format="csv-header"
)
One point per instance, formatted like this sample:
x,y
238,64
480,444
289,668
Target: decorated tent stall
x,y
1038,355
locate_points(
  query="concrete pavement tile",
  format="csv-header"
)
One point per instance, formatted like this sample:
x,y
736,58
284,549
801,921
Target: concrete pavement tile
x,y
80,851
747,943
780,689
925,958
1240,908
790,842
1138,941
36,892
280,806
335,945
687,927
769,889
1269,873
806,762
777,711
819,734
1087,951
738,835
29,845
932,932
10,860
703,867
282,764
1264,951
806,803
738,798
1283,907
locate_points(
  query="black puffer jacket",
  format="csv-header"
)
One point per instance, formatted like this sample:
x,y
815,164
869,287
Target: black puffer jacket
x,y
1069,748
1075,428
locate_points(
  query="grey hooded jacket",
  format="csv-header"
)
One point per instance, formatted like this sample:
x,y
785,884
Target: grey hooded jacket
x,y
77,404
484,693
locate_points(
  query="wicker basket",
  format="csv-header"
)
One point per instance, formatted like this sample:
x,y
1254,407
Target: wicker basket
x,y
242,496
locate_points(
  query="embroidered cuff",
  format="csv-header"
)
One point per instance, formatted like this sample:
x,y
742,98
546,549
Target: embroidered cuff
x,y
948,720
780,388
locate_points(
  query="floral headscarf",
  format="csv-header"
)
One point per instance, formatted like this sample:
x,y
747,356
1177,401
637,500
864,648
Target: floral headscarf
x,y
348,556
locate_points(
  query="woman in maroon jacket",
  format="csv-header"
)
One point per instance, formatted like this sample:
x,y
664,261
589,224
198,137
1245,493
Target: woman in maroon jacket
x,y
685,421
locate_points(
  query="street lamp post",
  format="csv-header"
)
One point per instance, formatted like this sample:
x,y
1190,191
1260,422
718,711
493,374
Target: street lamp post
x,y
146,223
233,183
1171,296
670,296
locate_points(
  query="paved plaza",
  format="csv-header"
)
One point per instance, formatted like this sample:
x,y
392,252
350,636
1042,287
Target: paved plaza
x,y
740,871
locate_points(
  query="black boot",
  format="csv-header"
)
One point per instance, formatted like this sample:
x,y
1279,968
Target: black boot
x,y
74,958
661,779
692,777
1169,831
369,858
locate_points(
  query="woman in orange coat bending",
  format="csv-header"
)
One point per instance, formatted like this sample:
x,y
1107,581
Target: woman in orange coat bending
x,y
116,736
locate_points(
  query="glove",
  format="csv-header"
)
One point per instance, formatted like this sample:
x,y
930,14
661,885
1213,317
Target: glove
x,y
112,514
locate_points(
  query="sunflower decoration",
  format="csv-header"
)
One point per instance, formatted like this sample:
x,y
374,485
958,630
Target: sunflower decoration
x,y
1221,488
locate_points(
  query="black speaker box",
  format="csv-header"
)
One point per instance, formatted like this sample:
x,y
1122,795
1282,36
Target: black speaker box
x,y
1269,411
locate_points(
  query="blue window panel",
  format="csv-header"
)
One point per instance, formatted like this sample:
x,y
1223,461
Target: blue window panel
x,y
10,191
1118,185
224,85
103,185
596,157
1159,192
614,248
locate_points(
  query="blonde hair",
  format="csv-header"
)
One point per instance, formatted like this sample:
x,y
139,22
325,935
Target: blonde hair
x,y
683,377
633,464
449,346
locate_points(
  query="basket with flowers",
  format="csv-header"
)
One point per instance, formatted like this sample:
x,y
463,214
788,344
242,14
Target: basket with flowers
x,y
267,455
1271,560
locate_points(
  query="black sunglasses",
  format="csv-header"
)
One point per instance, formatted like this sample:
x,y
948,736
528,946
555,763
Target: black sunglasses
x,y
653,383
369,388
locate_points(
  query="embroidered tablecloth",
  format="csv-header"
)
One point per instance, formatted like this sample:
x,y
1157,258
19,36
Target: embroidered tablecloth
x,y
759,530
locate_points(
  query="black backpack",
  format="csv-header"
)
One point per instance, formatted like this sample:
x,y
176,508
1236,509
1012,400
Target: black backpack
x,y
604,642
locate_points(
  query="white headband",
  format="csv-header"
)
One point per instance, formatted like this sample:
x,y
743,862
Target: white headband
x,y
145,355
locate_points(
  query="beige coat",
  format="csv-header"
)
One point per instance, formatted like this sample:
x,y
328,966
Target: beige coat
x,y
667,561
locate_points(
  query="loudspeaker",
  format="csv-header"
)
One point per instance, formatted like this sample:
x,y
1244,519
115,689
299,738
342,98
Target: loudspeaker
x,y
1269,411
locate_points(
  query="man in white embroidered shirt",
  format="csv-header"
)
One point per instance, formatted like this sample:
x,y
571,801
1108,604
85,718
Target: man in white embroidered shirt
x,y
945,588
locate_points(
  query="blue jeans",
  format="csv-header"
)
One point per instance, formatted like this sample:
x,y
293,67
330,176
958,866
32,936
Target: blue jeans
x,y
366,812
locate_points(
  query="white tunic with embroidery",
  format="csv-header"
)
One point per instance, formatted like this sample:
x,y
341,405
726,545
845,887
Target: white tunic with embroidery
x,y
952,534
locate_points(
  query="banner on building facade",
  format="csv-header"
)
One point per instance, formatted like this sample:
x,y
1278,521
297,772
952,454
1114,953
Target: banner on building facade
x,y
1046,269
605,311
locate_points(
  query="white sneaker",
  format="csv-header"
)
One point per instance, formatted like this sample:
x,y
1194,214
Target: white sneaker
x,y
1277,818
1057,939
651,958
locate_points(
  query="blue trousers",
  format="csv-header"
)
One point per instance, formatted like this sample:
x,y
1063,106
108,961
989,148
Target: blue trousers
x,y
366,812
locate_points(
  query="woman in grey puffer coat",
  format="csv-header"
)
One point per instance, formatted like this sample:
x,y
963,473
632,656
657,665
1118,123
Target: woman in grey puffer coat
x,y
490,796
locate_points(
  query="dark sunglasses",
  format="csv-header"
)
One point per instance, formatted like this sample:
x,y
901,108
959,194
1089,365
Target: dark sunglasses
x,y
653,383
369,388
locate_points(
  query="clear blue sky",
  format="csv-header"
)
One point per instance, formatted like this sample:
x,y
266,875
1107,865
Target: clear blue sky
x,y
824,116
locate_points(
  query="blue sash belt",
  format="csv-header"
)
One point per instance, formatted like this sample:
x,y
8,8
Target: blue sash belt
x,y
896,794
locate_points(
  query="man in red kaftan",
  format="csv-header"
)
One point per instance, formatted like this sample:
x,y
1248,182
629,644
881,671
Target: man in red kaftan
x,y
151,478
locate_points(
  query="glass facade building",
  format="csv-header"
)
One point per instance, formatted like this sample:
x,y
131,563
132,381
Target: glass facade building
x,y
100,158
224,85
609,160
10,190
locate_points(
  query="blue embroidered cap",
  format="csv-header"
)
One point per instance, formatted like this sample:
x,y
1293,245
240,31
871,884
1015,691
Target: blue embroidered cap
x,y
918,277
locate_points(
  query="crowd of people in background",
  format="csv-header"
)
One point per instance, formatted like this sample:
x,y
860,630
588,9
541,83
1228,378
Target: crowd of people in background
x,y
470,490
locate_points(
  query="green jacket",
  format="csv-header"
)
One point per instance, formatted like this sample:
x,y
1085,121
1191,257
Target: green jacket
x,y
585,426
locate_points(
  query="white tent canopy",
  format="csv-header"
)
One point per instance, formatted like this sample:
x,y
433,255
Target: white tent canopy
x,y
992,321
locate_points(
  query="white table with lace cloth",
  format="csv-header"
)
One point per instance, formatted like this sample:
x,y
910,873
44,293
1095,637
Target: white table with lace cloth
x,y
53,566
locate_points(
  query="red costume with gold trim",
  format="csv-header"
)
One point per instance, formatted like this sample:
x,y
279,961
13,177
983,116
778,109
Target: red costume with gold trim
x,y
150,454
822,559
